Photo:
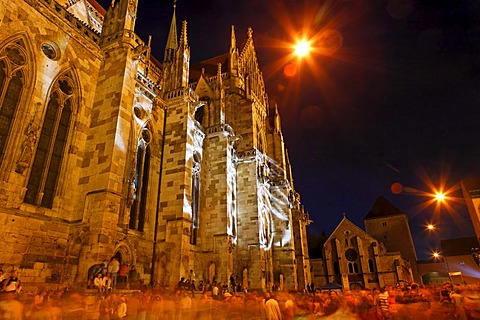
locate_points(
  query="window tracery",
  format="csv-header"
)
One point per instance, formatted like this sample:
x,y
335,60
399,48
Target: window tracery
x,y
195,199
139,186
13,63
52,142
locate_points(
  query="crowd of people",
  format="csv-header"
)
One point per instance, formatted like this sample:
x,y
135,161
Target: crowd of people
x,y
214,302
108,276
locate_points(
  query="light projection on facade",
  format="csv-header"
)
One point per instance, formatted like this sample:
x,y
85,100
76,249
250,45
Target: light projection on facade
x,y
273,204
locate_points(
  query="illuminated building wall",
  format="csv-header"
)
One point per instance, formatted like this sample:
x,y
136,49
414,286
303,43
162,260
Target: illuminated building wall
x,y
356,260
105,150
388,224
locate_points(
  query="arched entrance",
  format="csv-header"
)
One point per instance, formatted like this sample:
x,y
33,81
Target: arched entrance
x,y
245,278
124,254
211,272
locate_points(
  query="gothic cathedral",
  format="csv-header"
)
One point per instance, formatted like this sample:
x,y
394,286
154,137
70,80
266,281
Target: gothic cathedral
x,y
107,151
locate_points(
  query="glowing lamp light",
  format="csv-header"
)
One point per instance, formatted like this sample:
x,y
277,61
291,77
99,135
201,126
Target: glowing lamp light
x,y
440,196
302,48
436,255
430,227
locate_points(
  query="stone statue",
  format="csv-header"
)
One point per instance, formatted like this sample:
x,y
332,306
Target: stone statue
x,y
132,188
28,148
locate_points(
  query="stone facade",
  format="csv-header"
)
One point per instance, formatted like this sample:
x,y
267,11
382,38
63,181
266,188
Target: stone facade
x,y
390,226
356,260
105,151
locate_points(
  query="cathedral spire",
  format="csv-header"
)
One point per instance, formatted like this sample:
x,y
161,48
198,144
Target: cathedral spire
x,y
172,45
233,61
183,35
233,41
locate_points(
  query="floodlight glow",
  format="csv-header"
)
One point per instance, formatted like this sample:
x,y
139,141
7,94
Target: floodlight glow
x,y
302,48
440,196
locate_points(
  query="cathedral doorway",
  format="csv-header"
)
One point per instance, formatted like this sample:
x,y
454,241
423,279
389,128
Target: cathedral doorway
x,y
356,286
123,254
211,272
245,279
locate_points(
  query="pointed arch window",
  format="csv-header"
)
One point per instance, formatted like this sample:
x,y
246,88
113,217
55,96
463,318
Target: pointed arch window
x,y
142,171
336,267
353,267
371,267
13,63
52,143
195,199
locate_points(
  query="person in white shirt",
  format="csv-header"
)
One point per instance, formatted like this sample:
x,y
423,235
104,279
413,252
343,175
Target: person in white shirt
x,y
112,268
272,309
122,308
107,283
98,283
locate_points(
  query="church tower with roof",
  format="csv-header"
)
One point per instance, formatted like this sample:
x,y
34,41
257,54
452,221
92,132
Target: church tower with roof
x,y
388,224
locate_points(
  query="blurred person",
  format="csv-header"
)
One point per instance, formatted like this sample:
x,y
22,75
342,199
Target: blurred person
x,y
457,299
39,299
289,308
122,308
215,291
155,308
11,309
73,306
133,277
186,306
98,283
112,269
331,303
12,284
364,305
2,279
143,306
103,268
105,307
57,298
169,307
123,276
272,309
34,312
318,304
133,304
191,275
383,304
204,310
107,284
50,311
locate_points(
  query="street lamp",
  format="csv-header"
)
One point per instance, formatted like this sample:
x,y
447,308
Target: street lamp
x,y
439,196
302,48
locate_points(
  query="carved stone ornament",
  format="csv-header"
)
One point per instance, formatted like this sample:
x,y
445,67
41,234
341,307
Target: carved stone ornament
x,y
28,149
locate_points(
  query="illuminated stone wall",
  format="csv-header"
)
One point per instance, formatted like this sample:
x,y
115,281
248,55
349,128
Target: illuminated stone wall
x,y
218,131
355,259
388,230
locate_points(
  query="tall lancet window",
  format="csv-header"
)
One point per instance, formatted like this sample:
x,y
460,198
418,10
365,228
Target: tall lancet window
x,y
13,62
195,199
139,205
52,143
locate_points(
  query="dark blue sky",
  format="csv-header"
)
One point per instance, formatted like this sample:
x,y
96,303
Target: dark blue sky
x,y
397,102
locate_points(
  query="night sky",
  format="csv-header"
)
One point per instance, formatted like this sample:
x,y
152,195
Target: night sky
x,y
390,94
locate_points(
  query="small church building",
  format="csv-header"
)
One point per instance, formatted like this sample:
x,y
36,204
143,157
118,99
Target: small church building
x,y
355,259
